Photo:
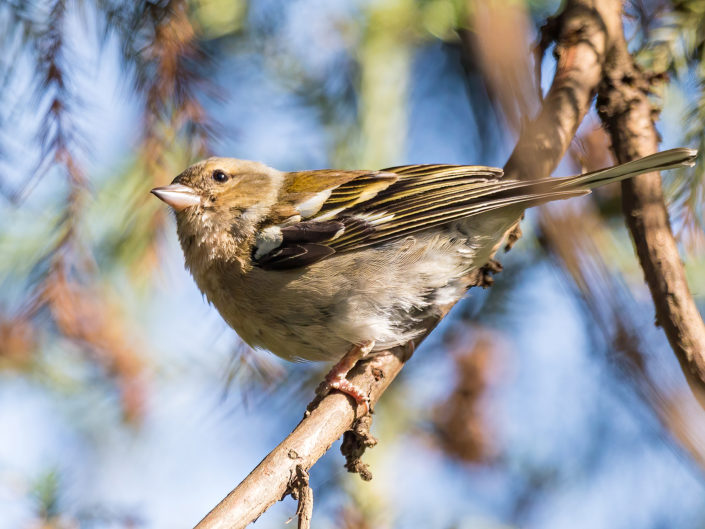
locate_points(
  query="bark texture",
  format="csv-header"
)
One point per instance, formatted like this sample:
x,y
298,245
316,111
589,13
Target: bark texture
x,y
581,39
628,115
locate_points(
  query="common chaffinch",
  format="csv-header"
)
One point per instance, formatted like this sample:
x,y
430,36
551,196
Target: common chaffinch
x,y
334,264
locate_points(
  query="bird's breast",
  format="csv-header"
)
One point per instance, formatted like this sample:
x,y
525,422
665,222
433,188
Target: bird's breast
x,y
317,312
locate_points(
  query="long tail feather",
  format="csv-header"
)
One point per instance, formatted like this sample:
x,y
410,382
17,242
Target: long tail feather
x,y
660,161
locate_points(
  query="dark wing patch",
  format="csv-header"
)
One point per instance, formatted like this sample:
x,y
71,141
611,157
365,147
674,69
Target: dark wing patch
x,y
311,231
298,245
294,256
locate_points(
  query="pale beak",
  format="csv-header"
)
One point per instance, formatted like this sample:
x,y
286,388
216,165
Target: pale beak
x,y
177,196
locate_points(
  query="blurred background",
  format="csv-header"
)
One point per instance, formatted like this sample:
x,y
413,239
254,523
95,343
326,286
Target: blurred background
x,y
547,401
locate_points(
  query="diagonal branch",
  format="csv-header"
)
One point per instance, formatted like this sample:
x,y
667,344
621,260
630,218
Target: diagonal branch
x,y
273,478
581,46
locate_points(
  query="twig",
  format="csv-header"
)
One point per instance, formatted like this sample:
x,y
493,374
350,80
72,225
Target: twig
x,y
302,491
355,442
628,115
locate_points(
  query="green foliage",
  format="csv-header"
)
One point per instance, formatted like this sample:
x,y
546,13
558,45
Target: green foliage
x,y
46,491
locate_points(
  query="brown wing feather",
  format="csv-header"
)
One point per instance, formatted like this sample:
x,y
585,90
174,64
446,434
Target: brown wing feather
x,y
338,189
304,182
376,207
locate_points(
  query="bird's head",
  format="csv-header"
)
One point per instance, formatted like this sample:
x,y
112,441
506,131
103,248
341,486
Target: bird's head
x,y
219,202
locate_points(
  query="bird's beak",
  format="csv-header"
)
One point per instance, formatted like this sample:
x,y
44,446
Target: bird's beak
x,y
177,196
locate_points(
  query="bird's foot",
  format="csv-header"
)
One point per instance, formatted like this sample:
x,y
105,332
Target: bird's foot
x,y
345,386
335,379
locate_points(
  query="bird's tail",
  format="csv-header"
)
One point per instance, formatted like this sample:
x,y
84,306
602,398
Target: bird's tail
x,y
660,161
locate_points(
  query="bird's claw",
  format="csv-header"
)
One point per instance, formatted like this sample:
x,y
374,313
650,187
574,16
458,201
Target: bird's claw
x,y
345,386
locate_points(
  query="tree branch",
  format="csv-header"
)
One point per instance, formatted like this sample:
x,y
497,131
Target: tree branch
x,y
327,419
628,115
334,414
581,46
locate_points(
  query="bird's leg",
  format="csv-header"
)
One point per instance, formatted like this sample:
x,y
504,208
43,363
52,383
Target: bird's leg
x,y
335,379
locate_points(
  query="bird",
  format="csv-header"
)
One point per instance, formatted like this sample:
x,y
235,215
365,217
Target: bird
x,y
332,265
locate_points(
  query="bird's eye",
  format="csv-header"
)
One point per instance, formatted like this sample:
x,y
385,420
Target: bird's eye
x,y
220,176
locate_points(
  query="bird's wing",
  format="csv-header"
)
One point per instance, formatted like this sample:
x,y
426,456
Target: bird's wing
x,y
325,212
